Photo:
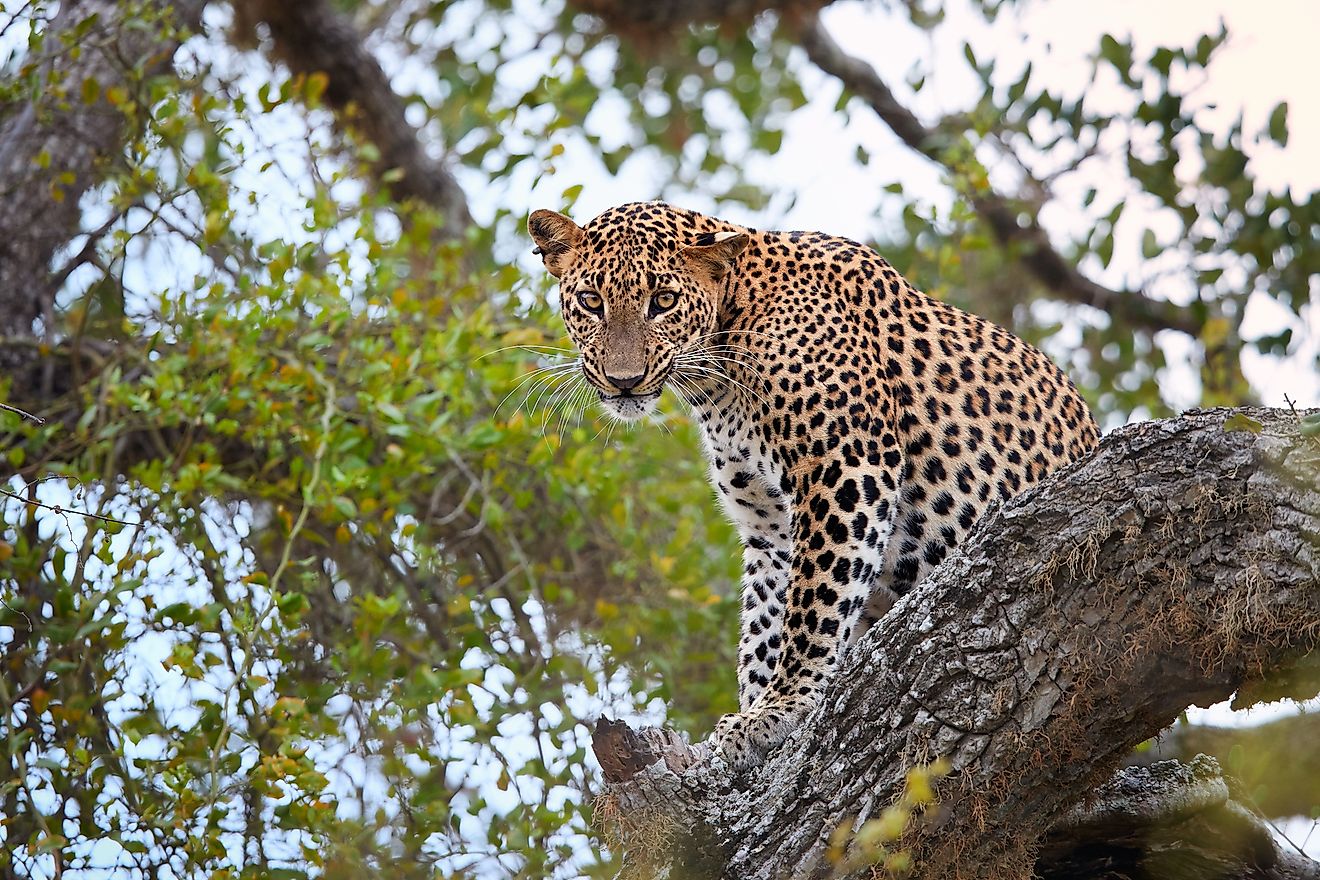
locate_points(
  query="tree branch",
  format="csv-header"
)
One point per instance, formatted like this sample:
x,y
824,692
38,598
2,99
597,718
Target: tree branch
x,y
56,146
1277,764
636,19
1177,563
1172,821
311,37
1016,230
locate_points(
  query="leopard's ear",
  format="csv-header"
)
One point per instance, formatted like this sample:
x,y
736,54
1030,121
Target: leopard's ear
x,y
714,254
557,239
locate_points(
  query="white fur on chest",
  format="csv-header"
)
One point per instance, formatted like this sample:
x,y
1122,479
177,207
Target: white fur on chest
x,y
747,480
749,483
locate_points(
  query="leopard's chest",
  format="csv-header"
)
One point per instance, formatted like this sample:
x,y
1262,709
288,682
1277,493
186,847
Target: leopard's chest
x,y
747,476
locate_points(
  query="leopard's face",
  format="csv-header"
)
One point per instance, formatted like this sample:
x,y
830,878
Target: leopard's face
x,y
631,324
635,297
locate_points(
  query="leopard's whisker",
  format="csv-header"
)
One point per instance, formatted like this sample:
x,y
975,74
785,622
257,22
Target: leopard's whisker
x,y
554,405
575,404
539,350
725,360
715,372
539,375
551,386
703,382
537,390
694,390
744,332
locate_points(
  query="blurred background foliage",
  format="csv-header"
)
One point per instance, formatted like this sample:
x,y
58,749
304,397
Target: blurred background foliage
x,y
362,566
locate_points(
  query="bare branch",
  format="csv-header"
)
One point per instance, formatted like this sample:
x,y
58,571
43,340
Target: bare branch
x,y
1016,229
24,413
312,37
60,510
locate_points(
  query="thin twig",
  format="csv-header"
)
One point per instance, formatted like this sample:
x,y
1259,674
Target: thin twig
x,y
24,413
63,510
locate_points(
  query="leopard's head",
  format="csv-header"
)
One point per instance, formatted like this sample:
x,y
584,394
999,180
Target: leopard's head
x,y
639,286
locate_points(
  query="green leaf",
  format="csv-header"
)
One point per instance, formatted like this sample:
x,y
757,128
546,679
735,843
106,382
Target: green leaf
x,y
1162,60
1105,250
1119,55
1150,245
1242,422
345,507
1019,88
293,605
1278,125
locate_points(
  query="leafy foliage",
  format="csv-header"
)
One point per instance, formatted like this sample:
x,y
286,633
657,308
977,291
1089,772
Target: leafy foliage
x,y
363,572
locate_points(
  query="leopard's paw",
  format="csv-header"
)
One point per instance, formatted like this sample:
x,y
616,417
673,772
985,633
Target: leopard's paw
x,y
743,740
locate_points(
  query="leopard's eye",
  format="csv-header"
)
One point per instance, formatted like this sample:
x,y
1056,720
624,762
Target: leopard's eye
x,y
591,301
663,302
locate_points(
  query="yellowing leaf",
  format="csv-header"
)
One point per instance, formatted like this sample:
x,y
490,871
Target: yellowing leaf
x,y
40,700
918,786
1242,422
315,88
522,336
1215,332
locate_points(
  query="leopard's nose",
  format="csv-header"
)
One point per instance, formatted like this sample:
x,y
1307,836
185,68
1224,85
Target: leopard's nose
x,y
625,383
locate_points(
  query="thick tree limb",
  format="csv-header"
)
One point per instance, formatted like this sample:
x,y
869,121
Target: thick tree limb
x,y
56,146
1014,228
1170,821
312,37
1171,567
1277,764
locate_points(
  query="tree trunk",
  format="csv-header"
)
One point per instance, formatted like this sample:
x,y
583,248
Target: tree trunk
x,y
1176,564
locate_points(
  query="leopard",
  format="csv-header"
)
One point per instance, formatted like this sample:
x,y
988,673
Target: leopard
x,y
855,428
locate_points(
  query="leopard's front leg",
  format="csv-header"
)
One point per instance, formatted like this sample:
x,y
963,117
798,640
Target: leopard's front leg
x,y
764,594
842,519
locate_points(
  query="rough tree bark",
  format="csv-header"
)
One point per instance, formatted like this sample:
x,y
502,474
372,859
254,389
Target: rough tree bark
x,y
1176,564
